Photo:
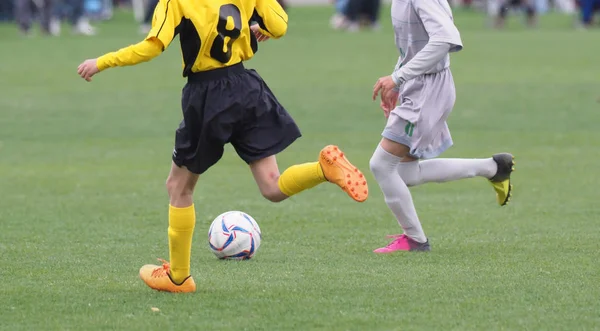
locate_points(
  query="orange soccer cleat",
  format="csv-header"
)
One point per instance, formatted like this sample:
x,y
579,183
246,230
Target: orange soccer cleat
x,y
158,278
338,170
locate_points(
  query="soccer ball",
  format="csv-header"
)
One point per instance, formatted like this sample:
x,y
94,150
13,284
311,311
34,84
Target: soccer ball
x,y
234,235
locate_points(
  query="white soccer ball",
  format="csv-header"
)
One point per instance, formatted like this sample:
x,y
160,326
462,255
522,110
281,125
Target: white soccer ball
x,y
234,235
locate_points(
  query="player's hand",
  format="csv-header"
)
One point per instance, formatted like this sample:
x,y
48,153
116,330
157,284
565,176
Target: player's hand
x,y
383,85
389,100
259,35
88,69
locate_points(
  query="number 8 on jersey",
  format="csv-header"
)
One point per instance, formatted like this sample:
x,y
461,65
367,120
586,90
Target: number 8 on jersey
x,y
228,14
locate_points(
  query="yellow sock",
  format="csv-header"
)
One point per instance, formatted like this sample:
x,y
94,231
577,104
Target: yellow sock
x,y
181,230
300,177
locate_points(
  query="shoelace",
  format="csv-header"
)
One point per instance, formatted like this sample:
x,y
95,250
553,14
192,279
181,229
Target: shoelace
x,y
162,271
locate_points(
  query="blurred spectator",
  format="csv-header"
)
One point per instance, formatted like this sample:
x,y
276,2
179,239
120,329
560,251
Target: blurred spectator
x,y
363,13
73,10
149,13
525,5
588,8
24,13
98,9
338,20
466,4
121,3
351,15
6,10
564,6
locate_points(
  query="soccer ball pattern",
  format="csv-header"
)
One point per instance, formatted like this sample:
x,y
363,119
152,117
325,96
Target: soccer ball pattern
x,y
234,235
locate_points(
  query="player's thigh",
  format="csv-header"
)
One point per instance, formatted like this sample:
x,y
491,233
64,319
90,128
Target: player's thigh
x,y
267,128
395,148
204,130
419,122
400,138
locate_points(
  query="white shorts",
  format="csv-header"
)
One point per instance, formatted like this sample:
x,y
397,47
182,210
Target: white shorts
x,y
419,122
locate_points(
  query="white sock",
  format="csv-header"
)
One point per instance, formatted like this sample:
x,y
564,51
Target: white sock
x,y
397,196
445,170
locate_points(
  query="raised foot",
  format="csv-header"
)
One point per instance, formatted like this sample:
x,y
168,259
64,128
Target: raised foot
x,y
501,181
338,170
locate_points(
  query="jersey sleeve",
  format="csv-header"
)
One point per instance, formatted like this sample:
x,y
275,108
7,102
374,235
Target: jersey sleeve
x,y
131,55
271,18
436,16
422,62
167,16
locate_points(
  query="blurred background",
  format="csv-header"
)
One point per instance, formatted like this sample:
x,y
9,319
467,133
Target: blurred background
x,y
83,167
350,15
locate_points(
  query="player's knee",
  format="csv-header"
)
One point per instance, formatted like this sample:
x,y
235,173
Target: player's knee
x,y
410,181
170,185
410,173
273,194
273,197
178,188
378,168
373,165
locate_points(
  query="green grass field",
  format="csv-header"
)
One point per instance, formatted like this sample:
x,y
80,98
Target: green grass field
x,y
83,203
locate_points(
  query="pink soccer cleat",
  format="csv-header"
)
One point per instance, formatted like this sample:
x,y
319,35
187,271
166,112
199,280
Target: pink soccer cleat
x,y
402,242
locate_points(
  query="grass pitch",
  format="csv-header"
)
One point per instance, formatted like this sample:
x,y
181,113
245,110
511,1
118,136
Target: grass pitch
x,y
83,204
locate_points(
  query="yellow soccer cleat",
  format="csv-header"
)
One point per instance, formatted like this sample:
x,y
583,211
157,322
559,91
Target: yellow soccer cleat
x,y
338,170
501,181
158,278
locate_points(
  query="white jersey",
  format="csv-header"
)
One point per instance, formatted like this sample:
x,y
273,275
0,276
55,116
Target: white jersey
x,y
416,22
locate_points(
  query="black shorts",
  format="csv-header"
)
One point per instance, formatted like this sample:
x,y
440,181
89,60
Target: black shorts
x,y
230,105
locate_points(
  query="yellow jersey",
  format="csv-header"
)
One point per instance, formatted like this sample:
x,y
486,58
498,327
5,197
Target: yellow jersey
x,y
213,33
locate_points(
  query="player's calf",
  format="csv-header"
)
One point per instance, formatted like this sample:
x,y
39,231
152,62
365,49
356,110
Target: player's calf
x,y
266,175
332,166
179,195
180,186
